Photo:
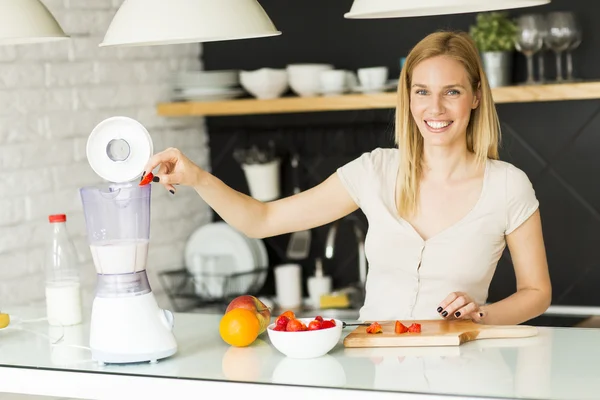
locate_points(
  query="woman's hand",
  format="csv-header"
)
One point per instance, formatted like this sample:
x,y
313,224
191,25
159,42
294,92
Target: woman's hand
x,y
174,169
459,305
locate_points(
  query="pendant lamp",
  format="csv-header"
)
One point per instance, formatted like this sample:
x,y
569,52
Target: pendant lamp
x,y
366,9
160,22
27,21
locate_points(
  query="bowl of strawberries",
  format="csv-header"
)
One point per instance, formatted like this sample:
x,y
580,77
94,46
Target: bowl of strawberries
x,y
304,337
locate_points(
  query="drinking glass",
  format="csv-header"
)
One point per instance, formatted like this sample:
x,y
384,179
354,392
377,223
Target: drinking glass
x,y
529,40
542,52
561,34
577,36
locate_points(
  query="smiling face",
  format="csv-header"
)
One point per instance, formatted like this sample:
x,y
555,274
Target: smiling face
x,y
441,101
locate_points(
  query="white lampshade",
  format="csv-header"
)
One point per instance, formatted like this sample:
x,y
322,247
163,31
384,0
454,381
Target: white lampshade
x,y
27,21
416,8
158,22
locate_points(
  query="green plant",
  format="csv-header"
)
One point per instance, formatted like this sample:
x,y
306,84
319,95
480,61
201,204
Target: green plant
x,y
494,31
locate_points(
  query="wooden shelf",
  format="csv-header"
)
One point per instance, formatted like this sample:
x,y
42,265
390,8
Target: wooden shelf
x,y
507,94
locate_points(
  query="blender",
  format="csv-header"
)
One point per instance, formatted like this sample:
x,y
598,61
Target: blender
x,y
127,325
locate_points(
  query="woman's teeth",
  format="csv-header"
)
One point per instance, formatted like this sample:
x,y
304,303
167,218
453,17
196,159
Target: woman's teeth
x,y
438,124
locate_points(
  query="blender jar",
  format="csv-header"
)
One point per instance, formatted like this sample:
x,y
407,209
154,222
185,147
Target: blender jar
x,y
117,218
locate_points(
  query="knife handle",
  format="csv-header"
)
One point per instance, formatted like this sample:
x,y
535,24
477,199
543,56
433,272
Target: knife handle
x,y
345,324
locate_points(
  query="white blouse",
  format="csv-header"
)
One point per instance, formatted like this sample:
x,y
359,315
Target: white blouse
x,y
407,276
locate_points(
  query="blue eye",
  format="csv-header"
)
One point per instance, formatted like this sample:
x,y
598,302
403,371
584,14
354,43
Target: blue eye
x,y
421,92
453,92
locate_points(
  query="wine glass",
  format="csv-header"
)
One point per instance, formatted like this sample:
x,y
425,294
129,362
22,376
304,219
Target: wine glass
x,y
560,36
577,36
541,53
529,40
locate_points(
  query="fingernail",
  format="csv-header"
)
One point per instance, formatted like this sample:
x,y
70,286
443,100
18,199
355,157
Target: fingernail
x,y
172,191
156,179
445,313
457,314
439,309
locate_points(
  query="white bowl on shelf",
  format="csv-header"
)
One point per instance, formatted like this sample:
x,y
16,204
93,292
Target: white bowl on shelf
x,y
265,83
306,344
305,79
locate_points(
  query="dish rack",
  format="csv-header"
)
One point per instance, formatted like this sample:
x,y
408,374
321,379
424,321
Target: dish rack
x,y
183,288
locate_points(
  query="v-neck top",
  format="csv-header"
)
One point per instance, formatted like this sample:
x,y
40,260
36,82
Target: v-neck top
x,y
407,276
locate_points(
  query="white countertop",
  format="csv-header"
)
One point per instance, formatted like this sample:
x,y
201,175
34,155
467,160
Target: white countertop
x,y
560,363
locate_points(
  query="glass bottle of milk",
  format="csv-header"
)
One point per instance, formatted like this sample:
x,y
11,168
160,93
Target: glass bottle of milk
x,y
63,288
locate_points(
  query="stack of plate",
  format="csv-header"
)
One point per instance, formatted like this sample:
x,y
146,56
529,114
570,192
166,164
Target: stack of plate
x,y
215,251
206,85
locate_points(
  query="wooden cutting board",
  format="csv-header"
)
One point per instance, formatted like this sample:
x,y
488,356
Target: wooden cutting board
x,y
435,333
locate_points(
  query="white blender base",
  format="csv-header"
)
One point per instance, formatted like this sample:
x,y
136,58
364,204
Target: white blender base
x,y
130,329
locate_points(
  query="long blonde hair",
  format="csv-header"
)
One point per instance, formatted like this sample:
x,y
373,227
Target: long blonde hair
x,y
483,131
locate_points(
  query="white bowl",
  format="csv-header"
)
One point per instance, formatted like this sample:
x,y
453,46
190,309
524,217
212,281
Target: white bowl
x,y
306,344
265,83
305,78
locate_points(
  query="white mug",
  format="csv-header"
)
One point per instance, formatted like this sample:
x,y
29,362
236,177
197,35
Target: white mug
x,y
373,78
333,81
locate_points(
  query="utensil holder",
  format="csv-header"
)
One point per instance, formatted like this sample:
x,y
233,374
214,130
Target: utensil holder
x,y
263,180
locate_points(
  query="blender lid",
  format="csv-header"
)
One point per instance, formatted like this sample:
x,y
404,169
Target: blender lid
x,y
118,149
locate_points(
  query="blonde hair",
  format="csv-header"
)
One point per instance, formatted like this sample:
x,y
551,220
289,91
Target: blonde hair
x,y
483,131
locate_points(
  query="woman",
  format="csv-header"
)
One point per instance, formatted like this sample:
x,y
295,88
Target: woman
x,y
441,208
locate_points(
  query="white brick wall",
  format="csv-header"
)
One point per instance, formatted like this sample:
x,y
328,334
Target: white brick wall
x,y
51,97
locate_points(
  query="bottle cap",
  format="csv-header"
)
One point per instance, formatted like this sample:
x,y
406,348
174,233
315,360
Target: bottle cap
x,y
57,218
118,149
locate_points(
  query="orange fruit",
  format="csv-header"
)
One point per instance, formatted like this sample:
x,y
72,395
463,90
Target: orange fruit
x,y
239,327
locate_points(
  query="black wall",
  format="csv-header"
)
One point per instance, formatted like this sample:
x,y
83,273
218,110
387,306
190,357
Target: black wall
x,y
555,143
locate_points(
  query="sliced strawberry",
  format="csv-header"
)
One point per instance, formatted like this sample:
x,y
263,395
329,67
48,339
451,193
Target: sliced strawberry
x,y
400,327
289,314
315,325
295,325
282,320
279,328
327,324
415,328
374,328
146,179
319,318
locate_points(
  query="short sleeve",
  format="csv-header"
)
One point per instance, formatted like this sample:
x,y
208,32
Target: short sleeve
x,y
521,199
355,177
